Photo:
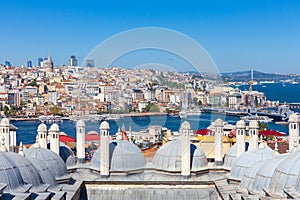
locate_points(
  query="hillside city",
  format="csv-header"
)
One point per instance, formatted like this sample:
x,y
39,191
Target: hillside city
x,y
73,90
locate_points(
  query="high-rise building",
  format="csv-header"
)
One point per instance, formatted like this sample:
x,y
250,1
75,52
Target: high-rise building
x,y
90,63
7,64
39,62
28,64
73,61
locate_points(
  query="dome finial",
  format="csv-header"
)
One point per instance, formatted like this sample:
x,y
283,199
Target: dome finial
x,y
3,147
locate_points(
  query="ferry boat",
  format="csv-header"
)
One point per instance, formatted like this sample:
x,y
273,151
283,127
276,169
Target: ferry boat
x,y
262,119
185,114
50,119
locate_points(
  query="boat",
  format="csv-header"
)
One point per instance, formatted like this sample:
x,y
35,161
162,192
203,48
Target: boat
x,y
50,118
187,113
262,119
266,82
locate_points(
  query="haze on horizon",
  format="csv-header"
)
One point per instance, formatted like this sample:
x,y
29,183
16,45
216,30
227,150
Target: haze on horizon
x,y
238,35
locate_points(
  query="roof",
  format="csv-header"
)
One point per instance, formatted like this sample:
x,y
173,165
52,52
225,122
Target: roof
x,y
66,138
270,133
92,136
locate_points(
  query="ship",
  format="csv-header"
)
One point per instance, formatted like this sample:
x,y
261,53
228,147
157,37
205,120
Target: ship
x,y
50,118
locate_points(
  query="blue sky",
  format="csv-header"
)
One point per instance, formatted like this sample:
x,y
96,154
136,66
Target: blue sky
x,y
239,35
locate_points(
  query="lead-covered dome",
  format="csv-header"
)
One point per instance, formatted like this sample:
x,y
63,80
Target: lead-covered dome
x,y
168,157
55,164
11,175
42,128
123,156
230,156
244,161
80,123
54,128
28,172
5,121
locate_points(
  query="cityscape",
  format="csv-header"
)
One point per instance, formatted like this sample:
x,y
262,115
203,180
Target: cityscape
x,y
120,100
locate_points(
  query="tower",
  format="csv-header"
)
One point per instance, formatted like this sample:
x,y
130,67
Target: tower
x,y
185,130
42,135
4,132
80,140
54,138
218,141
293,131
104,145
253,134
240,137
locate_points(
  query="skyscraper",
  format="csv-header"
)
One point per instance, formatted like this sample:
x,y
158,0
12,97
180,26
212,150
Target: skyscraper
x,y
39,62
28,64
73,61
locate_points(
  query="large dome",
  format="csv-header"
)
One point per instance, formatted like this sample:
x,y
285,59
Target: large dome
x,y
285,174
28,172
55,164
230,156
249,158
11,175
168,157
123,156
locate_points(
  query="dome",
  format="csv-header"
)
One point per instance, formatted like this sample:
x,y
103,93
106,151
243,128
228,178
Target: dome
x,y
80,123
55,164
285,174
4,121
230,156
244,161
11,175
168,157
28,172
253,124
185,125
44,171
67,155
240,124
42,128
104,125
219,122
54,128
265,173
294,118
249,177
92,136
123,156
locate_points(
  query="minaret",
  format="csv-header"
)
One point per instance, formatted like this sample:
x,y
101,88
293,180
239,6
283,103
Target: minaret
x,y
253,134
54,138
21,152
184,131
80,141
293,131
42,135
4,131
104,145
3,146
218,141
240,137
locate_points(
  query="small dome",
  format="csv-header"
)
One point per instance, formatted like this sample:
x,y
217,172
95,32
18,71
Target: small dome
x,y
230,156
28,172
123,156
185,126
244,161
11,175
42,128
5,121
55,164
240,124
285,174
253,124
168,157
67,155
104,125
80,123
265,173
294,118
92,136
219,122
54,128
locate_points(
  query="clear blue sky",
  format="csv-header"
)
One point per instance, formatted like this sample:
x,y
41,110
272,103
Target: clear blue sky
x,y
241,34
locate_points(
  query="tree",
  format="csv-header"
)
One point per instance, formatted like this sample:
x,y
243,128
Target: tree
x,y
55,110
6,110
33,83
151,107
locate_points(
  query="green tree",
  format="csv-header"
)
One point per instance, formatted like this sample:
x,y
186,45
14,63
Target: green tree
x,y
33,83
55,110
151,107
6,110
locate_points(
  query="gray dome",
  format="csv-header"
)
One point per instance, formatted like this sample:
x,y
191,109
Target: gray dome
x,y
294,118
54,128
42,128
55,164
265,173
44,171
11,175
241,124
28,172
253,124
285,174
5,121
230,156
123,156
168,157
67,155
249,158
249,176
104,125
80,123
